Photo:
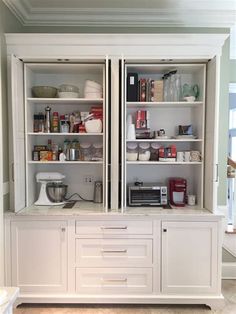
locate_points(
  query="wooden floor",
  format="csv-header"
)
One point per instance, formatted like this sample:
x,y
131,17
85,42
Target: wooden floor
x,y
229,291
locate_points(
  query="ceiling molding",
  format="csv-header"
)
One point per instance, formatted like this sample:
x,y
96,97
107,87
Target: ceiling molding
x,y
186,14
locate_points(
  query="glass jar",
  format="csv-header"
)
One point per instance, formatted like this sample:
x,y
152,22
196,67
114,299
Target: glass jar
x,y
144,152
132,152
97,151
154,156
85,151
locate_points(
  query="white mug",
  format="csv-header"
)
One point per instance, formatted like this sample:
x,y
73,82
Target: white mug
x,y
191,200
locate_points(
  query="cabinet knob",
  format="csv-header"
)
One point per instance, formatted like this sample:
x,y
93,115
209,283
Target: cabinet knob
x,y
63,229
164,230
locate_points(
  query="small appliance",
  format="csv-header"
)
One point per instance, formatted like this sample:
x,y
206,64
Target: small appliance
x,y
45,178
177,191
98,191
147,194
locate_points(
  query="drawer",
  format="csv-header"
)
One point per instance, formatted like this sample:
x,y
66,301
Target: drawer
x,y
113,227
114,280
114,252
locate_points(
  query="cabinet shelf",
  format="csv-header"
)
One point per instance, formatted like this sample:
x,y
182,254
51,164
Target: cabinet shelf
x,y
65,162
164,104
163,163
164,140
64,134
63,101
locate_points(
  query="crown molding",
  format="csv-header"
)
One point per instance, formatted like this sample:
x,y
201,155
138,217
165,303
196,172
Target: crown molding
x,y
185,15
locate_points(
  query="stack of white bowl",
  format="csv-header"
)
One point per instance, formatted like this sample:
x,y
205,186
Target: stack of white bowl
x,y
92,90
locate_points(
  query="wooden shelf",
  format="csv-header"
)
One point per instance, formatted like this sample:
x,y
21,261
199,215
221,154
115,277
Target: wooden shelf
x,y
165,140
162,163
65,162
164,104
63,101
64,134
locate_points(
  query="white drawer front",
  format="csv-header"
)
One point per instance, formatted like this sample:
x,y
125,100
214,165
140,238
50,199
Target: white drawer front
x,y
114,280
113,227
113,252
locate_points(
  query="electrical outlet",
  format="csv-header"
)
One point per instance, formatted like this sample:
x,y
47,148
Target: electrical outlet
x,y
88,179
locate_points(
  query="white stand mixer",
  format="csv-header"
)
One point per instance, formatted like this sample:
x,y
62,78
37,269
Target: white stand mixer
x,y
44,178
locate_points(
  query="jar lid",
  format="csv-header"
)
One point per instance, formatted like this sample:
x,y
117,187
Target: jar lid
x,y
155,145
85,145
132,145
144,145
97,145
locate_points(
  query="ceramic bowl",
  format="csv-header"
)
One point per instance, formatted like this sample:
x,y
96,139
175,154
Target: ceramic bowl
x,y
44,91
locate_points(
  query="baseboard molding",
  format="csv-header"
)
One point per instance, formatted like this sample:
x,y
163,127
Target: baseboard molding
x,y
228,270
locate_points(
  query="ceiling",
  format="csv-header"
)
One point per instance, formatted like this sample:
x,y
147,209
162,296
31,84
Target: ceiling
x,y
125,13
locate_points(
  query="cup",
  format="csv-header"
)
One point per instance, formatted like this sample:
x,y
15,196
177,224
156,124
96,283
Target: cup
x,y
191,200
195,155
131,132
187,156
180,156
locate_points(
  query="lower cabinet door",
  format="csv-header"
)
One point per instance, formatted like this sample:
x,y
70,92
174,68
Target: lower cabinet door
x,y
39,256
114,280
189,257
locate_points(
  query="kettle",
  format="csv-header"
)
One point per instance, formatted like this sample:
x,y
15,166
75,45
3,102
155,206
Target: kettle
x,y
98,191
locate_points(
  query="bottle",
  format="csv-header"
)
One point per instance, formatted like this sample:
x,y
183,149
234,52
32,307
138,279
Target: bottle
x,y
49,144
41,125
36,123
48,119
55,122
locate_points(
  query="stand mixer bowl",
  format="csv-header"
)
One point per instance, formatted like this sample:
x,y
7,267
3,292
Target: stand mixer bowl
x,y
56,192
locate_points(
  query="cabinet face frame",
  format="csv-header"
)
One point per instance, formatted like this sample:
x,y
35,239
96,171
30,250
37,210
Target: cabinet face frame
x,y
149,68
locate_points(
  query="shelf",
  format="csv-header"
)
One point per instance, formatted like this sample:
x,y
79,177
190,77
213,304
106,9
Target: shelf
x,y
165,140
164,104
65,162
63,101
64,134
162,163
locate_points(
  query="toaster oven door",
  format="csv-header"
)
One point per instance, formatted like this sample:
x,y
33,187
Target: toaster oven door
x,y
145,196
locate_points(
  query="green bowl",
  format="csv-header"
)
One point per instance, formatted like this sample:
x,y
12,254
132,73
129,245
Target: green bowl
x,y
44,91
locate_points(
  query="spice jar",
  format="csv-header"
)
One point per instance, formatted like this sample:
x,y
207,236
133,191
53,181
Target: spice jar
x,y
55,122
85,151
154,151
144,152
132,152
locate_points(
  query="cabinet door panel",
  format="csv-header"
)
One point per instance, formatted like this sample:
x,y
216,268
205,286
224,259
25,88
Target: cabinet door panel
x,y
39,256
17,142
189,257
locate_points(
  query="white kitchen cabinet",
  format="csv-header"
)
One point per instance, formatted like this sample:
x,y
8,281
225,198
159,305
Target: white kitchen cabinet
x,y
25,106
189,257
169,115
39,256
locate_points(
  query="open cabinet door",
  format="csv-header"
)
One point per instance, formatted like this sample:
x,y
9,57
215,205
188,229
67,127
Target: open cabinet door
x,y
17,135
211,135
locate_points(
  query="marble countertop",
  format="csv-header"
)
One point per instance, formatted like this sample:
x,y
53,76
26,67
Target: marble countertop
x,y
12,294
89,208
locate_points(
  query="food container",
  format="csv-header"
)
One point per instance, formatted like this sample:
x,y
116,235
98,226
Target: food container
x,y
85,151
93,126
132,152
144,152
97,151
154,150
68,91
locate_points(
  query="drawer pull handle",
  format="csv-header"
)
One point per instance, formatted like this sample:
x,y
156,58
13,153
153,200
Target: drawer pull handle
x,y
115,228
114,251
114,280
